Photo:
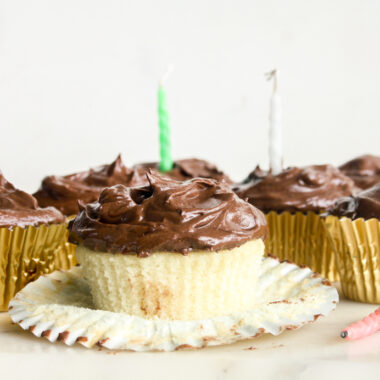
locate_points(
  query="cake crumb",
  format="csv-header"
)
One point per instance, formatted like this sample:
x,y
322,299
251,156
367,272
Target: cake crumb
x,y
251,348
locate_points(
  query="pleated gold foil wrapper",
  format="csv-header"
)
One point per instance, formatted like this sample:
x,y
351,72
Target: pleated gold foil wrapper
x,y
356,244
302,239
27,253
65,254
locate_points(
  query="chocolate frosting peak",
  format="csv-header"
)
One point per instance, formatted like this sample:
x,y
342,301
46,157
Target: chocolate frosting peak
x,y
364,170
18,208
189,168
64,192
167,215
364,205
311,188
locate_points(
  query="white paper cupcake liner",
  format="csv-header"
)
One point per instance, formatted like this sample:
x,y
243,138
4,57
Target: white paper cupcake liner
x,y
58,306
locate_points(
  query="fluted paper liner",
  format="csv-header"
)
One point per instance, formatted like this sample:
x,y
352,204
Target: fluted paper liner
x,y
59,307
302,239
357,248
27,253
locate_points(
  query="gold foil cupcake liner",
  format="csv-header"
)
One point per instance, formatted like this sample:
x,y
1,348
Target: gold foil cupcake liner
x,y
65,254
59,307
357,248
64,257
25,254
301,238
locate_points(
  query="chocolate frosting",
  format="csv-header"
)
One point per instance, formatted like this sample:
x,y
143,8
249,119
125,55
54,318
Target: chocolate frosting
x,y
364,205
364,170
167,215
189,168
18,208
311,188
64,192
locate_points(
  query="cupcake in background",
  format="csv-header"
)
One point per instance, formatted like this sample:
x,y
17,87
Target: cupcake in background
x,y
353,227
64,192
293,201
363,170
189,168
172,250
254,177
29,239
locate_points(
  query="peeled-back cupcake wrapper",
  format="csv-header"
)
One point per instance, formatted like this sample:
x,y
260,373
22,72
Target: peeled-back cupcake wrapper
x,y
25,254
357,248
59,307
301,238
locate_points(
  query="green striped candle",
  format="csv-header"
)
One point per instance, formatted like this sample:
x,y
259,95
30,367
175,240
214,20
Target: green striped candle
x,y
166,161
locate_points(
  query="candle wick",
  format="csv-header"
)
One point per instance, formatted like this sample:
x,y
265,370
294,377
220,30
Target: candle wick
x,y
273,75
166,75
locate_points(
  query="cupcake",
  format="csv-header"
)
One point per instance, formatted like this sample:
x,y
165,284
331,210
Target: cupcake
x,y
29,238
293,201
363,170
64,192
171,249
189,168
353,227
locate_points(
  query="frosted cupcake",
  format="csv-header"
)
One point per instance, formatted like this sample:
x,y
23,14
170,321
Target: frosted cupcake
x,y
363,170
29,237
293,201
354,230
189,168
172,250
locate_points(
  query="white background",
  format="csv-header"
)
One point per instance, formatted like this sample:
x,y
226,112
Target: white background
x,y
78,81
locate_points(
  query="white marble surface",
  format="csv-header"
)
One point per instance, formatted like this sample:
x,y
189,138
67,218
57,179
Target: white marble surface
x,y
314,351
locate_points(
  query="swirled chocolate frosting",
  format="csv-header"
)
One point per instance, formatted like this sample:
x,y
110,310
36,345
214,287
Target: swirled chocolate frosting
x,y
64,192
189,168
363,170
167,215
311,188
18,208
364,205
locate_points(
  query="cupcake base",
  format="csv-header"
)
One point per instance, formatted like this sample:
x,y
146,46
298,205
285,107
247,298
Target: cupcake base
x,y
26,254
59,307
172,286
357,249
302,239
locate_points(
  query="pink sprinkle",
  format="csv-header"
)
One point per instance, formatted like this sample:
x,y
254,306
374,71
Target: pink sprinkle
x,y
365,327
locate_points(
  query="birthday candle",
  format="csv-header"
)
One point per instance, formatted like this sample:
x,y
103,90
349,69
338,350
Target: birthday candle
x,y
367,326
166,161
275,127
